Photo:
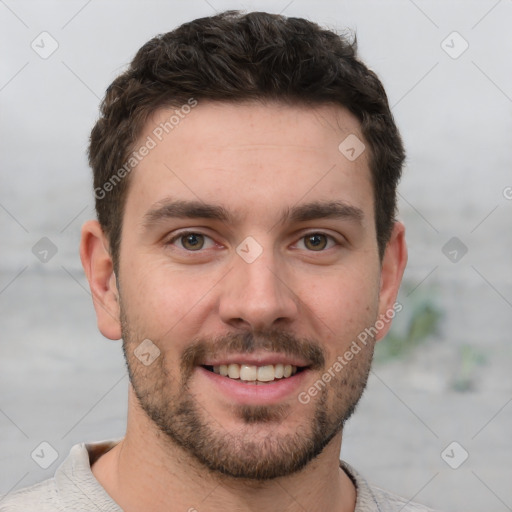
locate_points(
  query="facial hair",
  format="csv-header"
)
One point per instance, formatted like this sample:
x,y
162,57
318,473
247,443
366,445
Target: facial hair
x,y
255,450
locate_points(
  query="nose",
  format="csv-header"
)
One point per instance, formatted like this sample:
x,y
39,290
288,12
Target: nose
x,y
257,295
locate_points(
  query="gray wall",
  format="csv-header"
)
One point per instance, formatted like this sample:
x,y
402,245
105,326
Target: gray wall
x,y
62,383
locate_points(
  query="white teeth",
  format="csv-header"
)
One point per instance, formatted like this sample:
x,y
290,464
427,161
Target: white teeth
x,y
248,372
234,371
266,373
252,374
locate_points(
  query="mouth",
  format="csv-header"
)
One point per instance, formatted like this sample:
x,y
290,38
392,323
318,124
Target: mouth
x,y
253,374
253,379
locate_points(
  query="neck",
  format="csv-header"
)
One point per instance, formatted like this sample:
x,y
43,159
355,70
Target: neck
x,y
146,471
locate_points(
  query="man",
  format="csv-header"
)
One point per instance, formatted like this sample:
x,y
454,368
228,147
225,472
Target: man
x,y
247,252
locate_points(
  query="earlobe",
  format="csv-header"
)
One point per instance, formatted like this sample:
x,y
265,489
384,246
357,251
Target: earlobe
x,y
99,269
392,270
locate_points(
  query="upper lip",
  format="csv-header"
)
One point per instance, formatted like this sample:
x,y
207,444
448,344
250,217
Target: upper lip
x,y
255,359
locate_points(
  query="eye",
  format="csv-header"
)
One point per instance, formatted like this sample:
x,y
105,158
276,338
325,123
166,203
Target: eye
x,y
317,242
191,241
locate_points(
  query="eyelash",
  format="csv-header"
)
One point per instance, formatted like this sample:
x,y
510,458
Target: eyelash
x,y
183,234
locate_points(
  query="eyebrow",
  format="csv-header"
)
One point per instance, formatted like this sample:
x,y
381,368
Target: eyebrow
x,y
172,209
179,209
323,210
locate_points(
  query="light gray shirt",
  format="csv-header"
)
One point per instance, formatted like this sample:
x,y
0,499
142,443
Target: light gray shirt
x,y
75,489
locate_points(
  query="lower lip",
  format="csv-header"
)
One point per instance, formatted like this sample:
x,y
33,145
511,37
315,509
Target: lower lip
x,y
255,394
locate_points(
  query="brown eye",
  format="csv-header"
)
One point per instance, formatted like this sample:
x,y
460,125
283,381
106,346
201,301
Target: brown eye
x,y
316,242
192,241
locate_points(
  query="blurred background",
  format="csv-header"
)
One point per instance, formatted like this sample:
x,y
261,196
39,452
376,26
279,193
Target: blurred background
x,y
435,422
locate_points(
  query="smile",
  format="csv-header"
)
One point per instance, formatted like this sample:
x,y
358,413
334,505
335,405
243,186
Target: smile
x,y
254,379
252,374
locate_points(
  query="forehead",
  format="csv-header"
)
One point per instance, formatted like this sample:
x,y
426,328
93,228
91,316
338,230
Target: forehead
x,y
251,156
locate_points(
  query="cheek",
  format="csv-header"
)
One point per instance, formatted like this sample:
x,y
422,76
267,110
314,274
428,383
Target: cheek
x,y
164,304
342,306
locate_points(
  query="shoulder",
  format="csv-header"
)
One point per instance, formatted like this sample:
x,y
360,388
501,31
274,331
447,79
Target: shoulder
x,y
375,499
73,488
389,502
41,497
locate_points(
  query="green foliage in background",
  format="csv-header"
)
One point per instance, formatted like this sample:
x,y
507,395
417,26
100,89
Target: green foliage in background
x,y
418,320
470,358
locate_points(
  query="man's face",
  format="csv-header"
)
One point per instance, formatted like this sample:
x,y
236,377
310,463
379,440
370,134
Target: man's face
x,y
249,246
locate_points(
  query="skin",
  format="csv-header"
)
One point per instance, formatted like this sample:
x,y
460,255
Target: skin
x,y
255,161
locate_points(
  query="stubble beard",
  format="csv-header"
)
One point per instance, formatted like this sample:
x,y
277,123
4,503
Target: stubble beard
x,y
255,450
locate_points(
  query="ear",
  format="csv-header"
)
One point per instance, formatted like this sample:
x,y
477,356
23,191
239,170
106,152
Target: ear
x,y
392,270
99,269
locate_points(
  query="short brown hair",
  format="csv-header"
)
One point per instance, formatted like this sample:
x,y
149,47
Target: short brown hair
x,y
234,57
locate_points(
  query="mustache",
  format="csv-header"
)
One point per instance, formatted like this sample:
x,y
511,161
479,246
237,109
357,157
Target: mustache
x,y
277,341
